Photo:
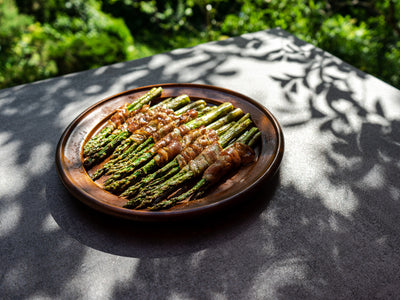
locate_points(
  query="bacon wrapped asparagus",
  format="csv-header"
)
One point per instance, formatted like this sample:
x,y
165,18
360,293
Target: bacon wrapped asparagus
x,y
155,150
176,133
140,117
207,137
193,168
143,136
119,117
176,153
231,158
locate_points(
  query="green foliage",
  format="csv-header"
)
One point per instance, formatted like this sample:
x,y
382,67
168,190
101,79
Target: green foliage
x,y
22,43
348,39
366,35
81,44
80,36
44,38
392,65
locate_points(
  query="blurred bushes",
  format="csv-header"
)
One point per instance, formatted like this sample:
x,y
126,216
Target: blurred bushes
x,y
51,38
45,38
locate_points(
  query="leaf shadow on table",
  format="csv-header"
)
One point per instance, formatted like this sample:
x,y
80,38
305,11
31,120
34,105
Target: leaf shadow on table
x,y
286,244
157,239
336,240
43,240
355,227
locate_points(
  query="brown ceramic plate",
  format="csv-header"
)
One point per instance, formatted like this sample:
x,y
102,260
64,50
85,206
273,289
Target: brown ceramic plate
x,y
236,188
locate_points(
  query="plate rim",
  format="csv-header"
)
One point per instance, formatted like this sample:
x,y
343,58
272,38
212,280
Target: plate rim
x,y
143,215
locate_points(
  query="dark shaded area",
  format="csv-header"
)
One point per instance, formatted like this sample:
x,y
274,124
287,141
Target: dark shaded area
x,y
283,243
158,239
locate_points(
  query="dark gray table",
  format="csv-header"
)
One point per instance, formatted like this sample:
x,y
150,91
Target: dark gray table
x,y
326,227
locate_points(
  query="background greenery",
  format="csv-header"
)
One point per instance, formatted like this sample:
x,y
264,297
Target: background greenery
x,y
46,38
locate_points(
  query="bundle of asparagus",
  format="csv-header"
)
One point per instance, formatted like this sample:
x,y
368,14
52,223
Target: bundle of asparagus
x,y
147,152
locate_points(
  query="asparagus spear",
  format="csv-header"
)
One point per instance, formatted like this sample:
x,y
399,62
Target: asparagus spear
x,y
232,116
186,173
131,191
203,120
120,152
146,98
129,148
126,143
173,152
254,140
205,183
161,171
128,157
99,138
110,147
153,184
148,168
115,132
197,105
223,129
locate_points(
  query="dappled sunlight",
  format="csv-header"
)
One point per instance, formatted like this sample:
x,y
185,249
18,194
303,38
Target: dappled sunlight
x,y
96,285
296,236
339,199
343,113
67,113
271,217
40,159
260,236
49,225
38,162
374,178
10,215
7,148
279,275
93,89
307,172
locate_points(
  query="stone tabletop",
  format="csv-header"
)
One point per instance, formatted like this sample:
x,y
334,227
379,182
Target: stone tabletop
x,y
326,226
